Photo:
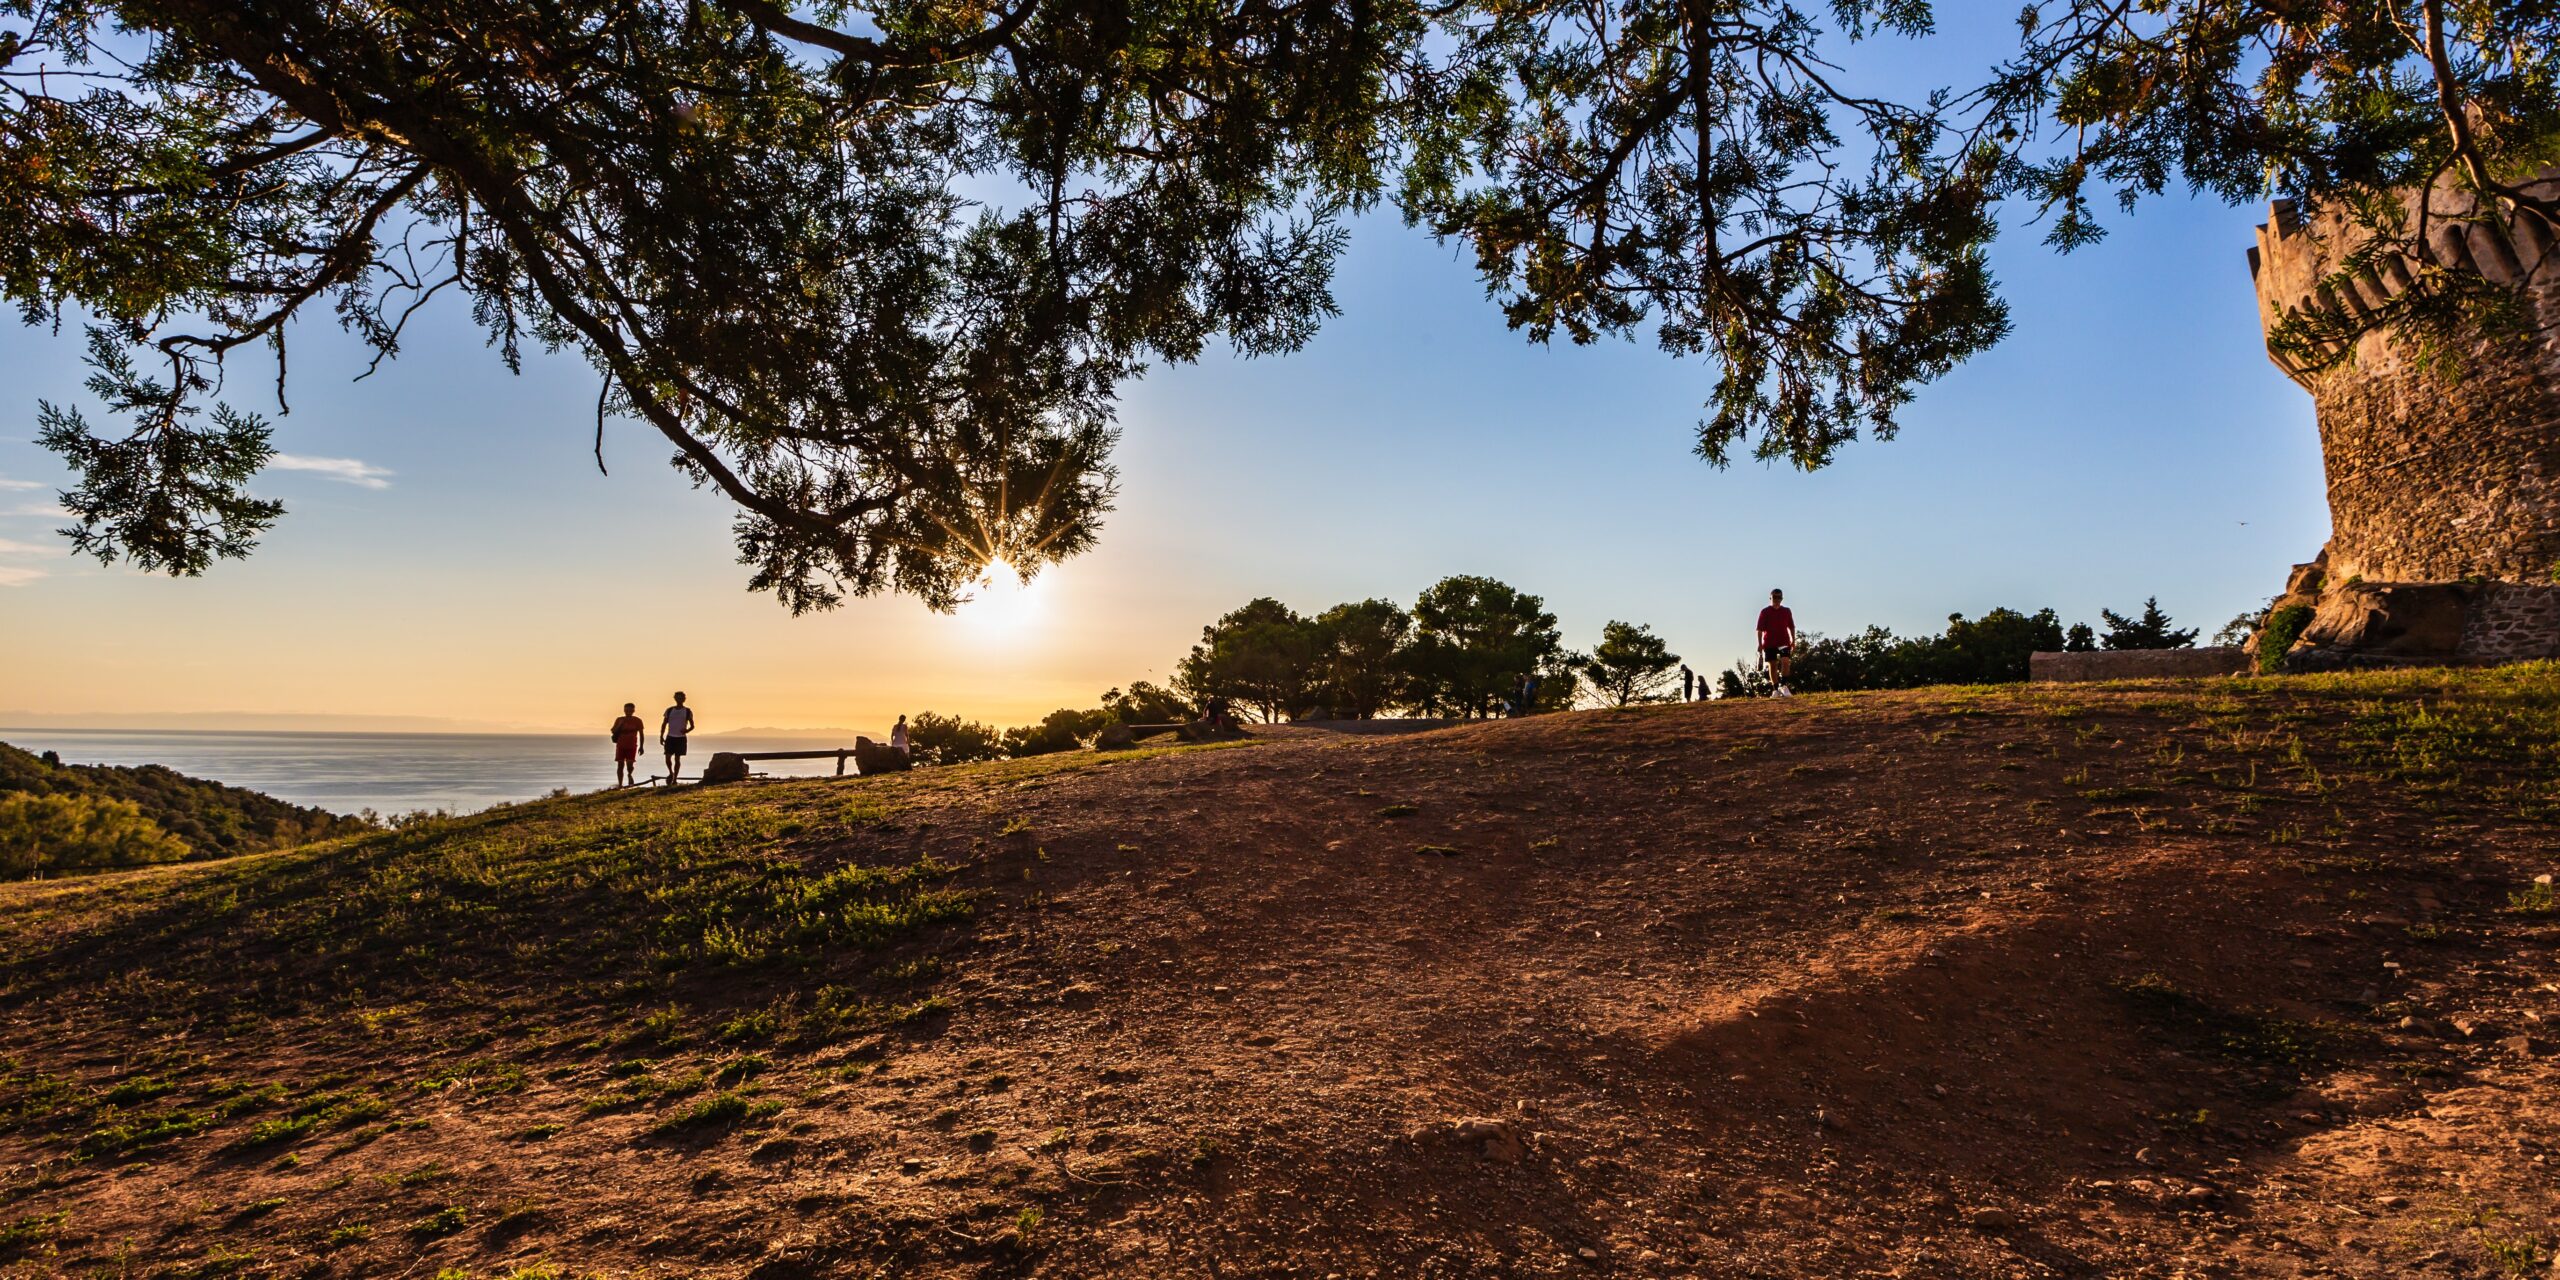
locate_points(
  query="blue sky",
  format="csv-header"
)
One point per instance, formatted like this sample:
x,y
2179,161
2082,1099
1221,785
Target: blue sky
x,y
2129,439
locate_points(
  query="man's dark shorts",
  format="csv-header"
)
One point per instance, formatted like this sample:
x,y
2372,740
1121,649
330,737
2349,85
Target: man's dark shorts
x,y
1782,651
675,745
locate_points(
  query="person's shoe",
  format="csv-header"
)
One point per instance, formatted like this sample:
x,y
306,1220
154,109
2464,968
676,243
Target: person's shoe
x,y
1785,692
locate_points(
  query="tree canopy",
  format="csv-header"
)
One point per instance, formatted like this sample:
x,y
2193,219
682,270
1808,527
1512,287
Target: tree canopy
x,y
1630,664
875,271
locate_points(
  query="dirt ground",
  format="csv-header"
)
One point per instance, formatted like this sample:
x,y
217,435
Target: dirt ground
x,y
2127,983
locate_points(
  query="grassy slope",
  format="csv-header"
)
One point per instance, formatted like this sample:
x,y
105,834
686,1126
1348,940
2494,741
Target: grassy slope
x,y
211,818
2169,976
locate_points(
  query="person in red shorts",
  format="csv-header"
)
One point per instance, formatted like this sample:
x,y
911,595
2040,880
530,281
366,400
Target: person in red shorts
x,y
1777,631
626,745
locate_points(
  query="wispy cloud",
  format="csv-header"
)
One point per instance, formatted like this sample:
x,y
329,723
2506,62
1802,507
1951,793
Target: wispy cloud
x,y
17,486
43,510
12,575
13,547
349,470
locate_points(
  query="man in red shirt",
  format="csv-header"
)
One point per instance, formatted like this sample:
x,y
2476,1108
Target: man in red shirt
x,y
1777,630
626,746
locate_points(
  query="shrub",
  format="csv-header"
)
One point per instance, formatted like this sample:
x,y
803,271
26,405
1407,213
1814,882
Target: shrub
x,y
72,832
2281,629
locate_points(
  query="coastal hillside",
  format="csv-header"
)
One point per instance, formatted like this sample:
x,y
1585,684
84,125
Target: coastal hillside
x,y
2230,979
206,819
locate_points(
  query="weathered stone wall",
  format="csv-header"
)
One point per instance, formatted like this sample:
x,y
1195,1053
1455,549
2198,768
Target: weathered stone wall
x,y
2430,479
2137,664
2513,622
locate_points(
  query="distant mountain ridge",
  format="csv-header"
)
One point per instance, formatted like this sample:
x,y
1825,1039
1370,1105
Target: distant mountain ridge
x,y
212,819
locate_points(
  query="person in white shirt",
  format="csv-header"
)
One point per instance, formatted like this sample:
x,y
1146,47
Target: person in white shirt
x,y
672,727
898,737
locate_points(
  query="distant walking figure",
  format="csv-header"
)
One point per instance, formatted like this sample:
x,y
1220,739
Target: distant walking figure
x,y
1777,630
672,727
898,737
627,733
1688,684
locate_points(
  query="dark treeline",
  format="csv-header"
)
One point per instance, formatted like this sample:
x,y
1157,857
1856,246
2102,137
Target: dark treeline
x,y
1463,646
1460,651
1991,649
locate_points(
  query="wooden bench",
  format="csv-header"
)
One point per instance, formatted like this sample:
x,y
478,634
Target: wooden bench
x,y
870,757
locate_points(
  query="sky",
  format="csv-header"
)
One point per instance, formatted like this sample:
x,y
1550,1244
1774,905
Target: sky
x,y
452,558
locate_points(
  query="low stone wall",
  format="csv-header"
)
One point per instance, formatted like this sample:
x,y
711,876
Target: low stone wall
x,y
2138,664
2513,622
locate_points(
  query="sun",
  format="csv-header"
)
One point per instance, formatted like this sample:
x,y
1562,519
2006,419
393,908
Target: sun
x,y
998,602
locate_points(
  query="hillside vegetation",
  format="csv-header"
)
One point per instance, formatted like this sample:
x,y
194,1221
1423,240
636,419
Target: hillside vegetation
x,y
73,816
2248,978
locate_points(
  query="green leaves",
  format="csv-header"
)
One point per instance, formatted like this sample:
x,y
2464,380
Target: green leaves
x,y
168,495
1695,166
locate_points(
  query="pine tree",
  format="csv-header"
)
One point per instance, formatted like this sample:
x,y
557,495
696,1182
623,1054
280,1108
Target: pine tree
x,y
2150,631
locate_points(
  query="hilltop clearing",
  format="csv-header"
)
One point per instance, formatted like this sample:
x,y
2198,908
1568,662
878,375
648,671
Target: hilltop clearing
x,y
2239,979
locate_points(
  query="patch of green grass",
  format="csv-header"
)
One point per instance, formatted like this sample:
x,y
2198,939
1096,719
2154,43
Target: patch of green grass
x,y
727,1107
748,1028
238,1099
1397,811
633,1091
347,1233
919,1011
482,1076
127,1133
738,1070
137,1089
261,1208
1437,850
272,1131
2536,899
442,1222
24,1234
540,1132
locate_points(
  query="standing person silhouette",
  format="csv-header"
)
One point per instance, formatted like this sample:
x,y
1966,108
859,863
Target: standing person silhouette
x,y
672,728
898,739
1777,632
628,733
1688,684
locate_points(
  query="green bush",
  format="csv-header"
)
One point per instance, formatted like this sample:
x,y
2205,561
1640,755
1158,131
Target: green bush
x,y
41,833
2280,630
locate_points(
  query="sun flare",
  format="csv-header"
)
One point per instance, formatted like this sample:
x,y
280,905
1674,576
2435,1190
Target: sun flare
x,y
1000,602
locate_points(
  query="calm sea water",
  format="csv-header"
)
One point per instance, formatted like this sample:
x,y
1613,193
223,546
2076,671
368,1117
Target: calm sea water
x,y
393,773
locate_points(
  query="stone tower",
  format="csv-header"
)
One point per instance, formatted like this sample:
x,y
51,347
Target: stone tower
x,y
2444,492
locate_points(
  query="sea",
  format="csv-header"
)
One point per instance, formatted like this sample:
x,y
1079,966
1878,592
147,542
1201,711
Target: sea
x,y
397,773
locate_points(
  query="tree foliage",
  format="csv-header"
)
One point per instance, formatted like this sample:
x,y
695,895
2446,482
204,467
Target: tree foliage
x,y
941,739
1262,656
1630,664
1991,649
2378,111
875,271
211,819
40,833
2152,629
1472,638
1357,657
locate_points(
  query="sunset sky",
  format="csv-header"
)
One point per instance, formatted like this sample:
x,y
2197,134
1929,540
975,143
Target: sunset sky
x,y
451,557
